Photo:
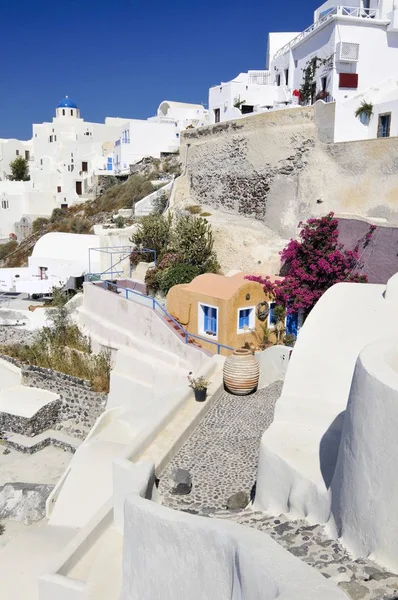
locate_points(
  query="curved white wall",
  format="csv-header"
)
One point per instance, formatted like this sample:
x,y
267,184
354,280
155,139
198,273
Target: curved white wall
x,y
365,483
182,556
298,452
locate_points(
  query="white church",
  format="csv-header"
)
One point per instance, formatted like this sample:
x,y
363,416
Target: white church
x,y
66,155
355,52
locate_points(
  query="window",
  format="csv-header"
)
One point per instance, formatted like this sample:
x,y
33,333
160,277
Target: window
x,y
55,138
51,138
41,161
17,152
4,204
84,167
246,109
208,320
245,319
286,76
64,206
71,113
323,83
58,189
27,155
383,129
63,112
217,116
271,316
79,188
348,80
278,79
295,64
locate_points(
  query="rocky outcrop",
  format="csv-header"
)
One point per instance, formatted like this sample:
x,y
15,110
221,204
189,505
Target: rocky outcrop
x,y
24,502
282,167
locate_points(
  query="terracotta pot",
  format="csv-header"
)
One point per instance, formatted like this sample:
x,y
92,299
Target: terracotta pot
x,y
241,372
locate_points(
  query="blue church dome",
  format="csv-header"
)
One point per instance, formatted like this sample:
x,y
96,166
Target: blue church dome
x,y
67,103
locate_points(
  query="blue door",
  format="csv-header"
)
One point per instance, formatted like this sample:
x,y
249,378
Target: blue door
x,y
292,324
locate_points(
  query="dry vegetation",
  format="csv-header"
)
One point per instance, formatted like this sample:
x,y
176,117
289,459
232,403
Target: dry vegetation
x,y
62,347
113,194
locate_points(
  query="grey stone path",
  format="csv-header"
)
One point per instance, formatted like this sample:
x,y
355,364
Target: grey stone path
x,y
222,453
361,579
222,456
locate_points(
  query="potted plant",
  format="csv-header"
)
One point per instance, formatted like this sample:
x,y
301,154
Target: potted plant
x,y
199,386
364,112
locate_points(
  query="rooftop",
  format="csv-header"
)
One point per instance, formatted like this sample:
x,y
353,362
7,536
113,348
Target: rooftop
x,y
67,103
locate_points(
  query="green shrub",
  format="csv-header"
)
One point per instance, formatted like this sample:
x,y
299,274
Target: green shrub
x,y
289,340
57,215
193,242
194,209
205,214
120,222
180,273
39,223
7,248
154,233
152,280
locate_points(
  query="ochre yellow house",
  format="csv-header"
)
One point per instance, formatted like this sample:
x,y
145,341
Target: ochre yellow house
x,y
227,310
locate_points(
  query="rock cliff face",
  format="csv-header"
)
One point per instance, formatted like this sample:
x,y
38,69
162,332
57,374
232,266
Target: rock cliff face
x,y
282,167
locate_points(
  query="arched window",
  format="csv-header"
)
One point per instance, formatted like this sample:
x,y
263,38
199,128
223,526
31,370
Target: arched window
x,y
71,112
63,112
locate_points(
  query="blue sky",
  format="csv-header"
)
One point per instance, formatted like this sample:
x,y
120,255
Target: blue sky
x,y
122,58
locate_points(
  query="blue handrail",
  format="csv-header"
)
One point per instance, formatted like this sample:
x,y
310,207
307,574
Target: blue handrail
x,y
156,304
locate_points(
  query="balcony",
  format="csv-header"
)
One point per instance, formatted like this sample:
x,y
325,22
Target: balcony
x,y
336,11
259,77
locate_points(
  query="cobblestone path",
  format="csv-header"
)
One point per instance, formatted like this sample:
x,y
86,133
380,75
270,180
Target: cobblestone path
x,y
222,456
222,453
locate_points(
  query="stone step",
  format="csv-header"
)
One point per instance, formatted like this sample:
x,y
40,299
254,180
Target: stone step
x,y
30,445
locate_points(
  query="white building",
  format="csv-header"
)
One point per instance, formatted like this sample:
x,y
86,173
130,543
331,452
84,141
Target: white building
x,y
67,154
352,52
157,135
254,91
9,151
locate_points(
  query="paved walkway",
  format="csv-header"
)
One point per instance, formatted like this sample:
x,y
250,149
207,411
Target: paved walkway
x,y
222,456
222,453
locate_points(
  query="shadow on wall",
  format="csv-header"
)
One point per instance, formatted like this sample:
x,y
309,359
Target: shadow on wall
x,y
329,448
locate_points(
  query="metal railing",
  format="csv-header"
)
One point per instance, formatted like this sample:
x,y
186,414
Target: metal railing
x,y
342,11
151,302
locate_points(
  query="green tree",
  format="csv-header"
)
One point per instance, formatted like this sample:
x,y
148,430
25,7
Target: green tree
x,y
193,242
175,275
153,232
19,169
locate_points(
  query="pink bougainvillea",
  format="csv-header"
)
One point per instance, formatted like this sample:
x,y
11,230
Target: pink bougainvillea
x,y
313,263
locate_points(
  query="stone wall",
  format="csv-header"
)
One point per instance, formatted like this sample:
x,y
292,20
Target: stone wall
x,y
79,405
282,167
44,419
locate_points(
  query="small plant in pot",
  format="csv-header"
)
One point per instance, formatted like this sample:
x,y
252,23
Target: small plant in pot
x,y
199,386
364,112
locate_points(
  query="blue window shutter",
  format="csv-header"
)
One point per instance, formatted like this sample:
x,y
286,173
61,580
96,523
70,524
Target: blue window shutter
x,y
240,320
206,318
292,324
214,321
271,313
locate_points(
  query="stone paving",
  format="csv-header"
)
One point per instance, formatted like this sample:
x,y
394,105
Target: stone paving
x,y
222,453
222,456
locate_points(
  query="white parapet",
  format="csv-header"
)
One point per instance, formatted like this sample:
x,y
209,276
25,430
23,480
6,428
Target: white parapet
x,y
182,556
365,485
298,452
